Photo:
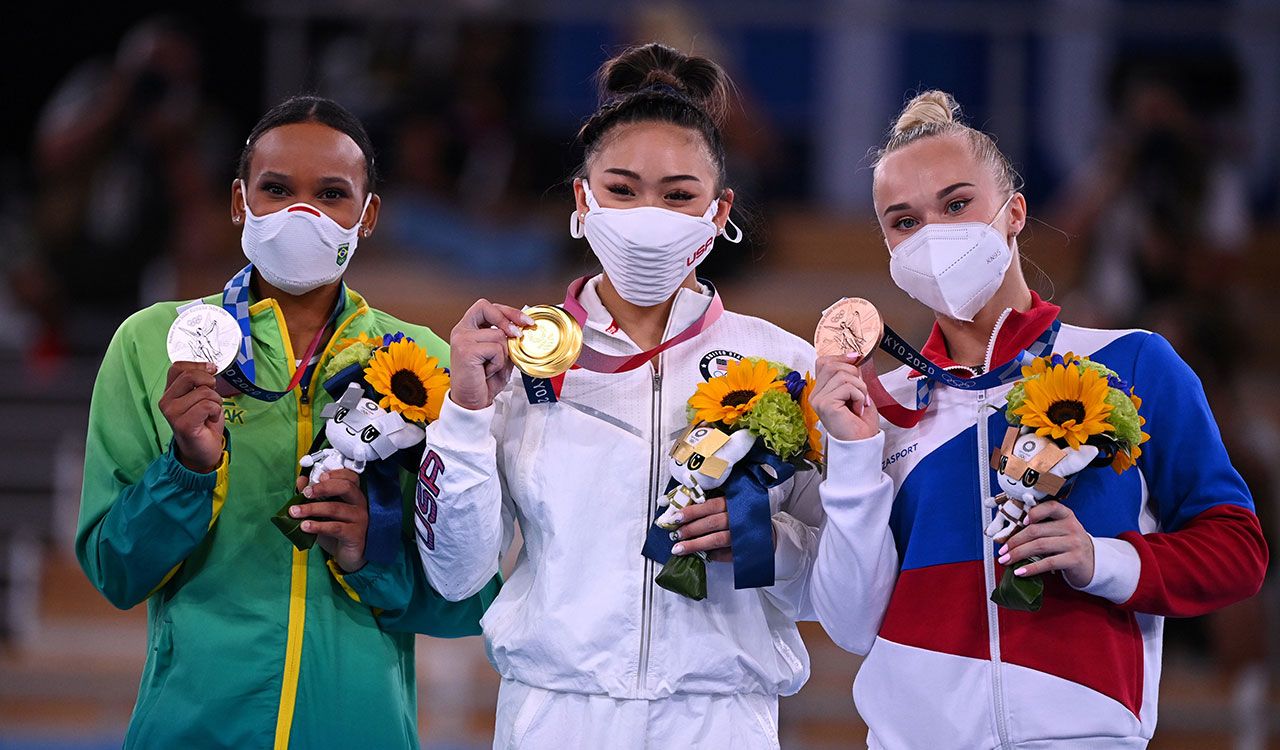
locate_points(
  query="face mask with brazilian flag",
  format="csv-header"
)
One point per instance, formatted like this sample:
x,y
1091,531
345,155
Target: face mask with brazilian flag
x,y
298,248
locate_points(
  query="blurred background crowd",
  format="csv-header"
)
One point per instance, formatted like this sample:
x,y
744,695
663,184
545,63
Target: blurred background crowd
x,y
1148,134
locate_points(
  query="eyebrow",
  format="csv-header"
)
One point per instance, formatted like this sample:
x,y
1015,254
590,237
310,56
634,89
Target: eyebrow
x,y
669,178
328,180
943,193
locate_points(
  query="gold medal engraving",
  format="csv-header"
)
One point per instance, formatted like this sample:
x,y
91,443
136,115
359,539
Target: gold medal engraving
x,y
550,346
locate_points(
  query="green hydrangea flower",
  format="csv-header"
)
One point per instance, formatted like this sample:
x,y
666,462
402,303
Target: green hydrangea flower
x,y
357,353
776,417
782,369
1102,370
1017,397
1124,417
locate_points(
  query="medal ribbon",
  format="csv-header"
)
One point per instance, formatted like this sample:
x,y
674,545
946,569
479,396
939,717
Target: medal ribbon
x,y
898,348
547,390
240,374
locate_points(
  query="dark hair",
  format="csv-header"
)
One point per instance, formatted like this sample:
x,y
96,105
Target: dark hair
x,y
298,109
654,82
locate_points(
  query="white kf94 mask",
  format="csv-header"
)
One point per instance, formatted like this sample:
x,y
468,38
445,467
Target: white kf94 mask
x,y
954,269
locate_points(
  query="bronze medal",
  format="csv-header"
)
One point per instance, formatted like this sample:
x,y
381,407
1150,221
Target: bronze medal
x,y
851,325
550,346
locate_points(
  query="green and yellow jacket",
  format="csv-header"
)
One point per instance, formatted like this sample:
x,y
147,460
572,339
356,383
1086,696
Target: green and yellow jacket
x,y
251,642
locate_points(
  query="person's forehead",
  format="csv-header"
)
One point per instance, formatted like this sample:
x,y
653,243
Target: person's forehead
x,y
927,166
655,149
308,148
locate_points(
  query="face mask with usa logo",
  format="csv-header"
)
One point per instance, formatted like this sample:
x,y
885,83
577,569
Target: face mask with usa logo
x,y
647,252
298,248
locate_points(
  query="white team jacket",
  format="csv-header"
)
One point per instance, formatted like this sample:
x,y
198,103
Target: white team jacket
x,y
581,612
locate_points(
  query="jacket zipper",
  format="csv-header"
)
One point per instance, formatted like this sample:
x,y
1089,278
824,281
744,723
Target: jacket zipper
x,y
650,508
989,571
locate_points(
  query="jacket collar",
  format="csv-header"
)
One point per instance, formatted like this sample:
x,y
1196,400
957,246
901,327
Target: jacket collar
x,y
1013,332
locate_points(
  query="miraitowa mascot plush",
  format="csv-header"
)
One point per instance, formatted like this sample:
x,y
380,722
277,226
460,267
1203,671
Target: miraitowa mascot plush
x,y
372,442
358,431
701,462
1029,468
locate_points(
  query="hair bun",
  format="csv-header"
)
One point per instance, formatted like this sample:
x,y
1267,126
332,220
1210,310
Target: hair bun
x,y
697,78
928,108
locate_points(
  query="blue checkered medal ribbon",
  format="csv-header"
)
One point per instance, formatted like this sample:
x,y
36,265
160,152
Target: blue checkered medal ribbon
x,y
241,373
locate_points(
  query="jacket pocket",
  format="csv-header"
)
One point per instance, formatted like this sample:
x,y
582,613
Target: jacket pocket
x,y
155,676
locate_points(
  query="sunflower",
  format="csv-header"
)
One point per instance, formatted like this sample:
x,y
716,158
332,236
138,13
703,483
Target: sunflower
x,y
727,397
814,452
373,342
410,382
1040,365
1067,402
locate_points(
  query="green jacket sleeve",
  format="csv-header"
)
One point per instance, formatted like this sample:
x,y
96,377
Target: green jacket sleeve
x,y
141,511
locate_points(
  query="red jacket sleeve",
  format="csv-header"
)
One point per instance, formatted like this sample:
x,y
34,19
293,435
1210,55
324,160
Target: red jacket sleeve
x,y
1217,558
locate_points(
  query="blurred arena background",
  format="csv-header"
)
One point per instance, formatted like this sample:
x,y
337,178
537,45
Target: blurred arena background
x,y
1148,134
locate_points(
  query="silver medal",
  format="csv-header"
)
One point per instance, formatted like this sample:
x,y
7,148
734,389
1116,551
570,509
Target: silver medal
x,y
204,333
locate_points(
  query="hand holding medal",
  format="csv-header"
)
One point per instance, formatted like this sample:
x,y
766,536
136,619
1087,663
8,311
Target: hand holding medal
x,y
481,360
847,334
202,342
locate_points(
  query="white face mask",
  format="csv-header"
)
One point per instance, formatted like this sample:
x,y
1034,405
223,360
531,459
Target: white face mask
x,y
298,248
647,252
954,269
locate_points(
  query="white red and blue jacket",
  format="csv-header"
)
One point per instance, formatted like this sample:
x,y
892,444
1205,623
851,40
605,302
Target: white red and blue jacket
x,y
904,573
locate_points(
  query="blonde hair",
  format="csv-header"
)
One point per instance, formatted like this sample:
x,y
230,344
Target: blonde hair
x,y
936,113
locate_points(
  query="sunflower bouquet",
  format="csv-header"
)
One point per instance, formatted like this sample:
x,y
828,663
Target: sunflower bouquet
x,y
1065,414
385,390
750,429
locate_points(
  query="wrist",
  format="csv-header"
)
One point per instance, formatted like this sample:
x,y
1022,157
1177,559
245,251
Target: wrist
x,y
350,563
468,404
193,464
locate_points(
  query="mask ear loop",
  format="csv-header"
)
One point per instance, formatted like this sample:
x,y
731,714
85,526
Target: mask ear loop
x,y
576,229
725,232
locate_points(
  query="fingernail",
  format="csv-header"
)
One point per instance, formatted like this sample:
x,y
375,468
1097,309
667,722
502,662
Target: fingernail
x,y
513,330
295,511
678,549
1004,559
678,518
1004,549
210,368
306,491
526,319
851,356
1020,572
675,535
306,525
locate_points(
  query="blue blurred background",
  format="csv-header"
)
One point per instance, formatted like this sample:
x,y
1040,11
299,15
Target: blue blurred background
x,y
1148,134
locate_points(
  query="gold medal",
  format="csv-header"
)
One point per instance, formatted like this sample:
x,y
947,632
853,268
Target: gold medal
x,y
550,346
850,326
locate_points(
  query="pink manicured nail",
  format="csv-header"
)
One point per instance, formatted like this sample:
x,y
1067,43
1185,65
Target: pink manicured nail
x,y
678,549
1004,559
1020,572
526,319
1004,549
514,330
